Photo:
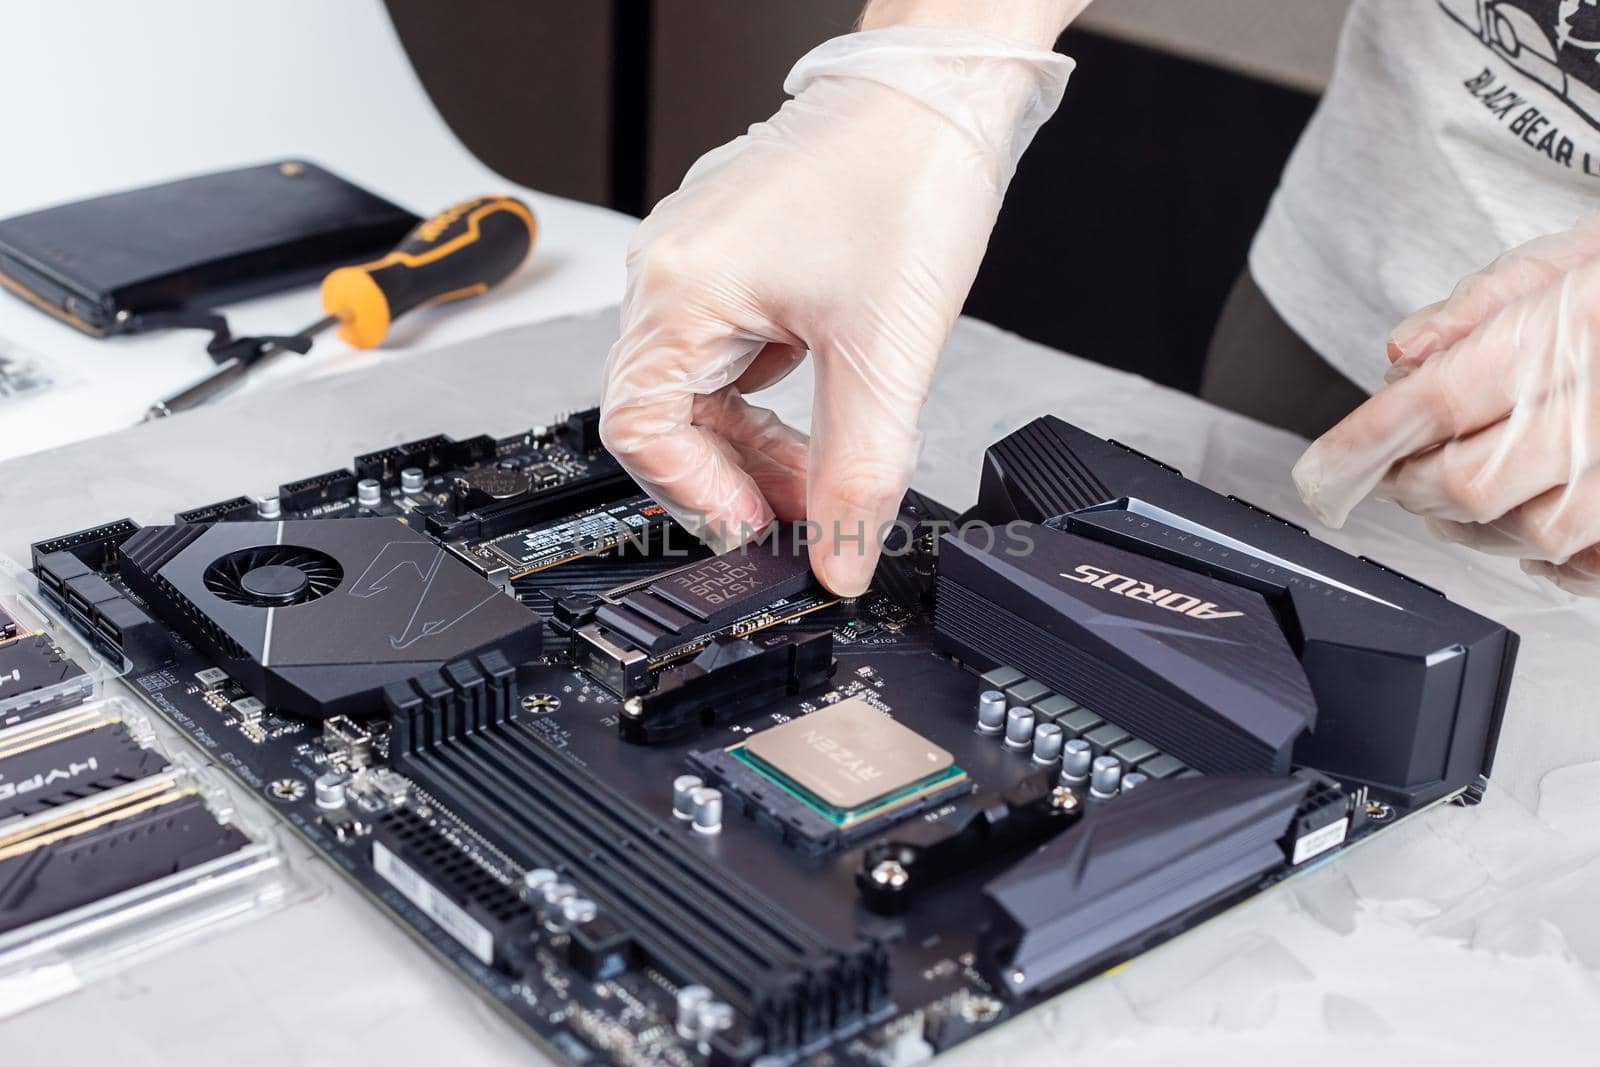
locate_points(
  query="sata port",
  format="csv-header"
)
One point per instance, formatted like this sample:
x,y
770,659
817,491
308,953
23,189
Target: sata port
x,y
77,603
108,629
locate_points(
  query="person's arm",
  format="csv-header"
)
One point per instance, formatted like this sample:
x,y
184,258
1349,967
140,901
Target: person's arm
x,y
849,226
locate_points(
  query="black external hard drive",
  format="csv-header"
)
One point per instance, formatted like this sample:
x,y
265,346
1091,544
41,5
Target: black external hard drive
x,y
140,259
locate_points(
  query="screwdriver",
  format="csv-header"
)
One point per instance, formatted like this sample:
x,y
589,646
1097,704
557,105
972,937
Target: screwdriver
x,y
460,252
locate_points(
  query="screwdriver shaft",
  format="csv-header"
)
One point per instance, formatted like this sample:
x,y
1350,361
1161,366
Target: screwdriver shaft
x,y
230,374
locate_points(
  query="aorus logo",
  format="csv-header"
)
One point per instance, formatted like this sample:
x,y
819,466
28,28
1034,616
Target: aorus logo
x,y
1134,589
409,569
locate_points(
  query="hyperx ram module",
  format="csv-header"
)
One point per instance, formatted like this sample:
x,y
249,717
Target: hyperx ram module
x,y
65,757
62,859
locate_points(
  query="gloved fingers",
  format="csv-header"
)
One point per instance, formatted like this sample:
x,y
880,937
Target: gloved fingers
x,y
775,456
1483,536
1579,575
1478,478
772,364
1523,353
1554,527
690,470
863,452
1516,273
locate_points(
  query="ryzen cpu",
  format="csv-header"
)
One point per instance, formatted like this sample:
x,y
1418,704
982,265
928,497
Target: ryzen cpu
x,y
849,761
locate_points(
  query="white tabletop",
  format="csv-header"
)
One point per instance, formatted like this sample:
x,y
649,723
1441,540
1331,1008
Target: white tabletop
x,y
105,95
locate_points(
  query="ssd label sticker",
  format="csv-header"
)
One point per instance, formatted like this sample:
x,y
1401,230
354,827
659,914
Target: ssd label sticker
x,y
441,909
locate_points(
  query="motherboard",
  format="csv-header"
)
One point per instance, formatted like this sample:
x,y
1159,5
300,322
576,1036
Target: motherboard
x,y
662,806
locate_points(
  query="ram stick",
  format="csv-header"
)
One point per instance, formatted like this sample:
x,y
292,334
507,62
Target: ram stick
x,y
50,868
53,761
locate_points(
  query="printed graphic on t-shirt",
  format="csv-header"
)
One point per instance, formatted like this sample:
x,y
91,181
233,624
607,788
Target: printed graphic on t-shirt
x,y
1557,44
1554,42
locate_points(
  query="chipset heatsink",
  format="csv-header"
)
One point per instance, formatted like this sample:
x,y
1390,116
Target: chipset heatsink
x,y
850,764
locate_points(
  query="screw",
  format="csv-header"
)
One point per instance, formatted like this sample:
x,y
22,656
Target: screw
x,y
633,708
1064,799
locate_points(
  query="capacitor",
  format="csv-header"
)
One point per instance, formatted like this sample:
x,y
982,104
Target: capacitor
x,y
369,493
268,507
707,810
1046,743
556,895
1105,777
411,480
683,788
1076,756
1133,780
534,881
1019,728
991,712
690,997
579,910
713,1017
330,791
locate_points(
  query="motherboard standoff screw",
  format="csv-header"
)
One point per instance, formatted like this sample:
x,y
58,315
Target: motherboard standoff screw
x,y
1064,799
633,708
891,874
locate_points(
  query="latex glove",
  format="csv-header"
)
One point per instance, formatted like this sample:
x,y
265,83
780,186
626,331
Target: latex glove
x,y
849,224
1490,423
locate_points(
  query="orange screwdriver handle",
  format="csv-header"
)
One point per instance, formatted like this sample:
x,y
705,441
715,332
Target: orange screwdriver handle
x,y
458,253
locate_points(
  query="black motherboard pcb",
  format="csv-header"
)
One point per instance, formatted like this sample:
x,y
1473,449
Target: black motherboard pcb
x,y
665,807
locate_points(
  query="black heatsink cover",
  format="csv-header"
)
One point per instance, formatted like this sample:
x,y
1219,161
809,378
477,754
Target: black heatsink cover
x,y
1410,687
1197,667
393,604
1128,870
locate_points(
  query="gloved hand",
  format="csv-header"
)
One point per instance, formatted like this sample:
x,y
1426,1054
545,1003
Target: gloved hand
x,y
1490,423
849,224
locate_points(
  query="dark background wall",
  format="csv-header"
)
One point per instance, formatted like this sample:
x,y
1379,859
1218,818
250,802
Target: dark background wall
x,y
1125,226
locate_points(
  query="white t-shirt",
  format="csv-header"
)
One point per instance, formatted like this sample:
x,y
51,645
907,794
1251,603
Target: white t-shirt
x,y
1452,130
